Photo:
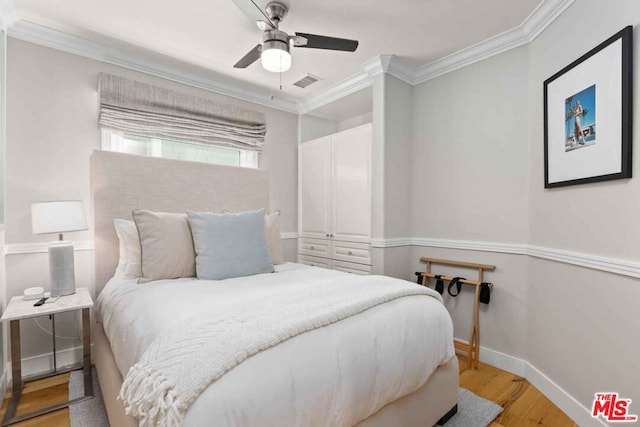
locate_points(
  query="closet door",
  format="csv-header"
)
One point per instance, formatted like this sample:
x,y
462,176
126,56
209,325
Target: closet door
x,y
351,173
314,188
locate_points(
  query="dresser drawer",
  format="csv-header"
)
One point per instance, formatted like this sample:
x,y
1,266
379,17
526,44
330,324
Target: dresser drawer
x,y
314,261
351,267
315,247
351,252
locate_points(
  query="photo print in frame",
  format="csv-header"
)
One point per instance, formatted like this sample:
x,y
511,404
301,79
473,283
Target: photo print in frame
x,y
588,116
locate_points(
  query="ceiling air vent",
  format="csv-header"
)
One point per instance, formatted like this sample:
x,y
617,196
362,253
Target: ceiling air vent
x,y
307,80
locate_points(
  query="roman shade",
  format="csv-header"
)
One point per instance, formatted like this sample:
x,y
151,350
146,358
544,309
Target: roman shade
x,y
146,110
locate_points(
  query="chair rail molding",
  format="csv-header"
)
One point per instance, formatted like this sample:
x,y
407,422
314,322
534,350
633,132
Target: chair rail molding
x,y
78,245
43,247
622,267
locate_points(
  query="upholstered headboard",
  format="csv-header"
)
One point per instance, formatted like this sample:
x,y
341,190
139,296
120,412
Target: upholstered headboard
x,y
123,182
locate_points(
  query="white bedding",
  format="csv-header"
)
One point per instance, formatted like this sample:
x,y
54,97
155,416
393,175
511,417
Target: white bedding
x,y
339,374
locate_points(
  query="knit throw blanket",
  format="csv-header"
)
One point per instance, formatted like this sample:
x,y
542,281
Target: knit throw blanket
x,y
179,365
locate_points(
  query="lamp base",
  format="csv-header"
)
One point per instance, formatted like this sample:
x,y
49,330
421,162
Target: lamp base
x,y
61,268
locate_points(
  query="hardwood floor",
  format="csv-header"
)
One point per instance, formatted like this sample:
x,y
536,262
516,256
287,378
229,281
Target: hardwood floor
x,y
40,394
523,404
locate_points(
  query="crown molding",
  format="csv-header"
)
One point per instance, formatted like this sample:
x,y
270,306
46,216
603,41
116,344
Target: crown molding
x,y
485,49
381,64
546,12
376,65
334,92
55,39
539,19
542,16
401,71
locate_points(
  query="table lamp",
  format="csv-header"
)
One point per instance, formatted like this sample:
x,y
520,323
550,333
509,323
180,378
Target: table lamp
x,y
59,217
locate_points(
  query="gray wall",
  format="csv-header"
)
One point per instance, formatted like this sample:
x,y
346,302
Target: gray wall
x,y
53,127
355,121
469,181
585,318
477,175
469,163
312,127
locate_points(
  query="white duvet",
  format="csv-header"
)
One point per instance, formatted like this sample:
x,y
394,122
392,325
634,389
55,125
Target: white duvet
x,y
338,374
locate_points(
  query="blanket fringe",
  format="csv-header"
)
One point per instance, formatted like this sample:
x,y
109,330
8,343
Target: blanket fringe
x,y
150,398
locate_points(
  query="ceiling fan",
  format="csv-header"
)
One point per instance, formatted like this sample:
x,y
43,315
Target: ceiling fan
x,y
274,51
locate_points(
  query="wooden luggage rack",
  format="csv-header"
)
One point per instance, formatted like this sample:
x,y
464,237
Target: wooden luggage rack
x,y
472,349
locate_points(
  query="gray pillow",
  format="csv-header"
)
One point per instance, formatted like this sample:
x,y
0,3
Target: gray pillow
x,y
166,245
230,245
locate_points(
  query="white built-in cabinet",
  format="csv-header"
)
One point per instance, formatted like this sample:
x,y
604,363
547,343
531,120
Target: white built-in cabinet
x,y
335,201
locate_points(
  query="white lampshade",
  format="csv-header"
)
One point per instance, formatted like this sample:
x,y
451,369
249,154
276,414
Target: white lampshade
x,y
58,217
276,60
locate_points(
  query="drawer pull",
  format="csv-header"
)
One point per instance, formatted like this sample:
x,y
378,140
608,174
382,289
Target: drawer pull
x,y
312,265
350,253
312,247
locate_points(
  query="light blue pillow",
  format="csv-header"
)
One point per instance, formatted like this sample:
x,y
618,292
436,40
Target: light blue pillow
x,y
230,244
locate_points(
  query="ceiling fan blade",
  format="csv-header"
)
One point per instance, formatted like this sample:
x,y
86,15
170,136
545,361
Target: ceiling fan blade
x,y
314,41
249,58
253,12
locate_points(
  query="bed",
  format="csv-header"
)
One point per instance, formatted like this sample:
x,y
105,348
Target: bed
x,y
391,364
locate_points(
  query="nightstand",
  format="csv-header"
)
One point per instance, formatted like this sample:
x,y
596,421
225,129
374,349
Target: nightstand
x,y
17,310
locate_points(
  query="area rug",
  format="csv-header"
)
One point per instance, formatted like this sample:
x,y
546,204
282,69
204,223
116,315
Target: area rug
x,y
473,411
89,412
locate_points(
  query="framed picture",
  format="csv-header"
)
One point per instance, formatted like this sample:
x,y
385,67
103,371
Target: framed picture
x,y
588,117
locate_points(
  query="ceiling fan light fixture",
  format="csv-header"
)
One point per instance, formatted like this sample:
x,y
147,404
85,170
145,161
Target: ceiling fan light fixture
x,y
275,56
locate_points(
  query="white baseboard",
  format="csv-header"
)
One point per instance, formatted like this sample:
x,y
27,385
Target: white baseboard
x,y
43,363
556,394
503,361
563,400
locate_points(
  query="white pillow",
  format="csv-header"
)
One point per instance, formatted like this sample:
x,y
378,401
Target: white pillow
x,y
272,226
129,265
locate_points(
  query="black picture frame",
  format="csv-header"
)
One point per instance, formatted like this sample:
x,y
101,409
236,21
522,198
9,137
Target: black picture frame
x,y
626,119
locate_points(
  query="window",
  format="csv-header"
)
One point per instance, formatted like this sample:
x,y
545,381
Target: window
x,y
132,144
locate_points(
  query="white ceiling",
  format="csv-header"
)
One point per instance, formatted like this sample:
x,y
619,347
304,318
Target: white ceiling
x,y
214,34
